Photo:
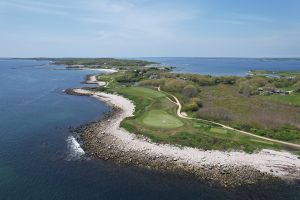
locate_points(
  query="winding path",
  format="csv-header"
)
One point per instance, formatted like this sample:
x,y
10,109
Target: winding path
x,y
179,114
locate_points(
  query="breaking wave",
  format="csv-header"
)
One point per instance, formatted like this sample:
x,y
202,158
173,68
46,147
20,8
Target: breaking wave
x,y
75,151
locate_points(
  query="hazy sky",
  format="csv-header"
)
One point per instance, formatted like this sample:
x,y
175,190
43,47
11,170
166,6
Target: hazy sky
x,y
138,28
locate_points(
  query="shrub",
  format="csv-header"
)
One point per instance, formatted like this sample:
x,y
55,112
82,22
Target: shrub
x,y
249,86
215,114
246,89
297,86
190,91
191,107
258,81
154,83
230,80
198,102
174,85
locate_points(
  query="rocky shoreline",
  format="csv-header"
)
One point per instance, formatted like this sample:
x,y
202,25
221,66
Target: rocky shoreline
x,y
106,140
99,144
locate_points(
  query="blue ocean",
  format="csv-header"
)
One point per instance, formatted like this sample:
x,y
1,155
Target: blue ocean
x,y
40,158
227,66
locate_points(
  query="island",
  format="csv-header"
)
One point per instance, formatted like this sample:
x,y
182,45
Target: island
x,y
226,130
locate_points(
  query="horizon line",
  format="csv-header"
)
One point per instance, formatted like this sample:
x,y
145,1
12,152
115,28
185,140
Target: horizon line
x,y
118,57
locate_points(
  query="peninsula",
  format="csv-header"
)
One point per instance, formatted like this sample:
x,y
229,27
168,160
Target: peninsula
x,y
227,130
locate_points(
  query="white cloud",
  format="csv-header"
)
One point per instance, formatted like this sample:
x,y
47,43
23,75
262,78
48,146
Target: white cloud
x,y
34,6
134,21
139,28
111,19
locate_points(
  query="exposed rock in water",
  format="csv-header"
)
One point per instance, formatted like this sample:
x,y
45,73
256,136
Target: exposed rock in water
x,y
71,91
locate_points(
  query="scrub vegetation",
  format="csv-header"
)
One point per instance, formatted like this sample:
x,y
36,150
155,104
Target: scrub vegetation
x,y
261,104
155,117
101,62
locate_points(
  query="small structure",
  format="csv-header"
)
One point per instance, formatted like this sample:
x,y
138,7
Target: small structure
x,y
270,90
290,78
260,89
153,76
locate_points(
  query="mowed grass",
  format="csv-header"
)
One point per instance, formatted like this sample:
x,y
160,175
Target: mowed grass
x,y
161,119
155,117
142,92
157,110
152,107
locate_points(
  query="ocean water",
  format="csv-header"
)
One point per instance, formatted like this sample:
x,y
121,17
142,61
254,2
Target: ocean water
x,y
227,66
39,158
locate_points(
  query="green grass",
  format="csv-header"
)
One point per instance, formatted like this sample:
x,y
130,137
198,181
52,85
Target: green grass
x,y
155,117
142,92
161,119
218,130
262,141
275,116
280,73
293,99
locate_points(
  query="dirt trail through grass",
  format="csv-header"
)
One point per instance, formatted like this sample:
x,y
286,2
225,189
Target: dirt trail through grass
x,y
179,114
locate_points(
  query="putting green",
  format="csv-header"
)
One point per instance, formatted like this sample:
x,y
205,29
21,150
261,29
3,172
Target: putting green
x,y
161,119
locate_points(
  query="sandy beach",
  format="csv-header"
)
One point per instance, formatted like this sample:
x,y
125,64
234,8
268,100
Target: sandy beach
x,y
72,67
92,79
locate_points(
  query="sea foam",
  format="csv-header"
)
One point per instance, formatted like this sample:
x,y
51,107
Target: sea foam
x,y
75,151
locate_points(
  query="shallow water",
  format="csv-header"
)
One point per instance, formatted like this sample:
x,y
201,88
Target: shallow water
x,y
39,159
227,66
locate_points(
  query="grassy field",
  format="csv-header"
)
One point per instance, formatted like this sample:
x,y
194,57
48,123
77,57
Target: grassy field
x,y
155,117
273,116
280,73
293,99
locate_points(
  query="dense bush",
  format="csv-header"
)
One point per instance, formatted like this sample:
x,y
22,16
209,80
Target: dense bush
x,y
248,86
128,77
191,107
174,85
152,83
283,82
215,114
190,91
297,87
198,102
246,89
230,80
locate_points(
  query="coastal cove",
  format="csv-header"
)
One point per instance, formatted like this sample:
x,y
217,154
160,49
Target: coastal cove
x,y
45,151
227,66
